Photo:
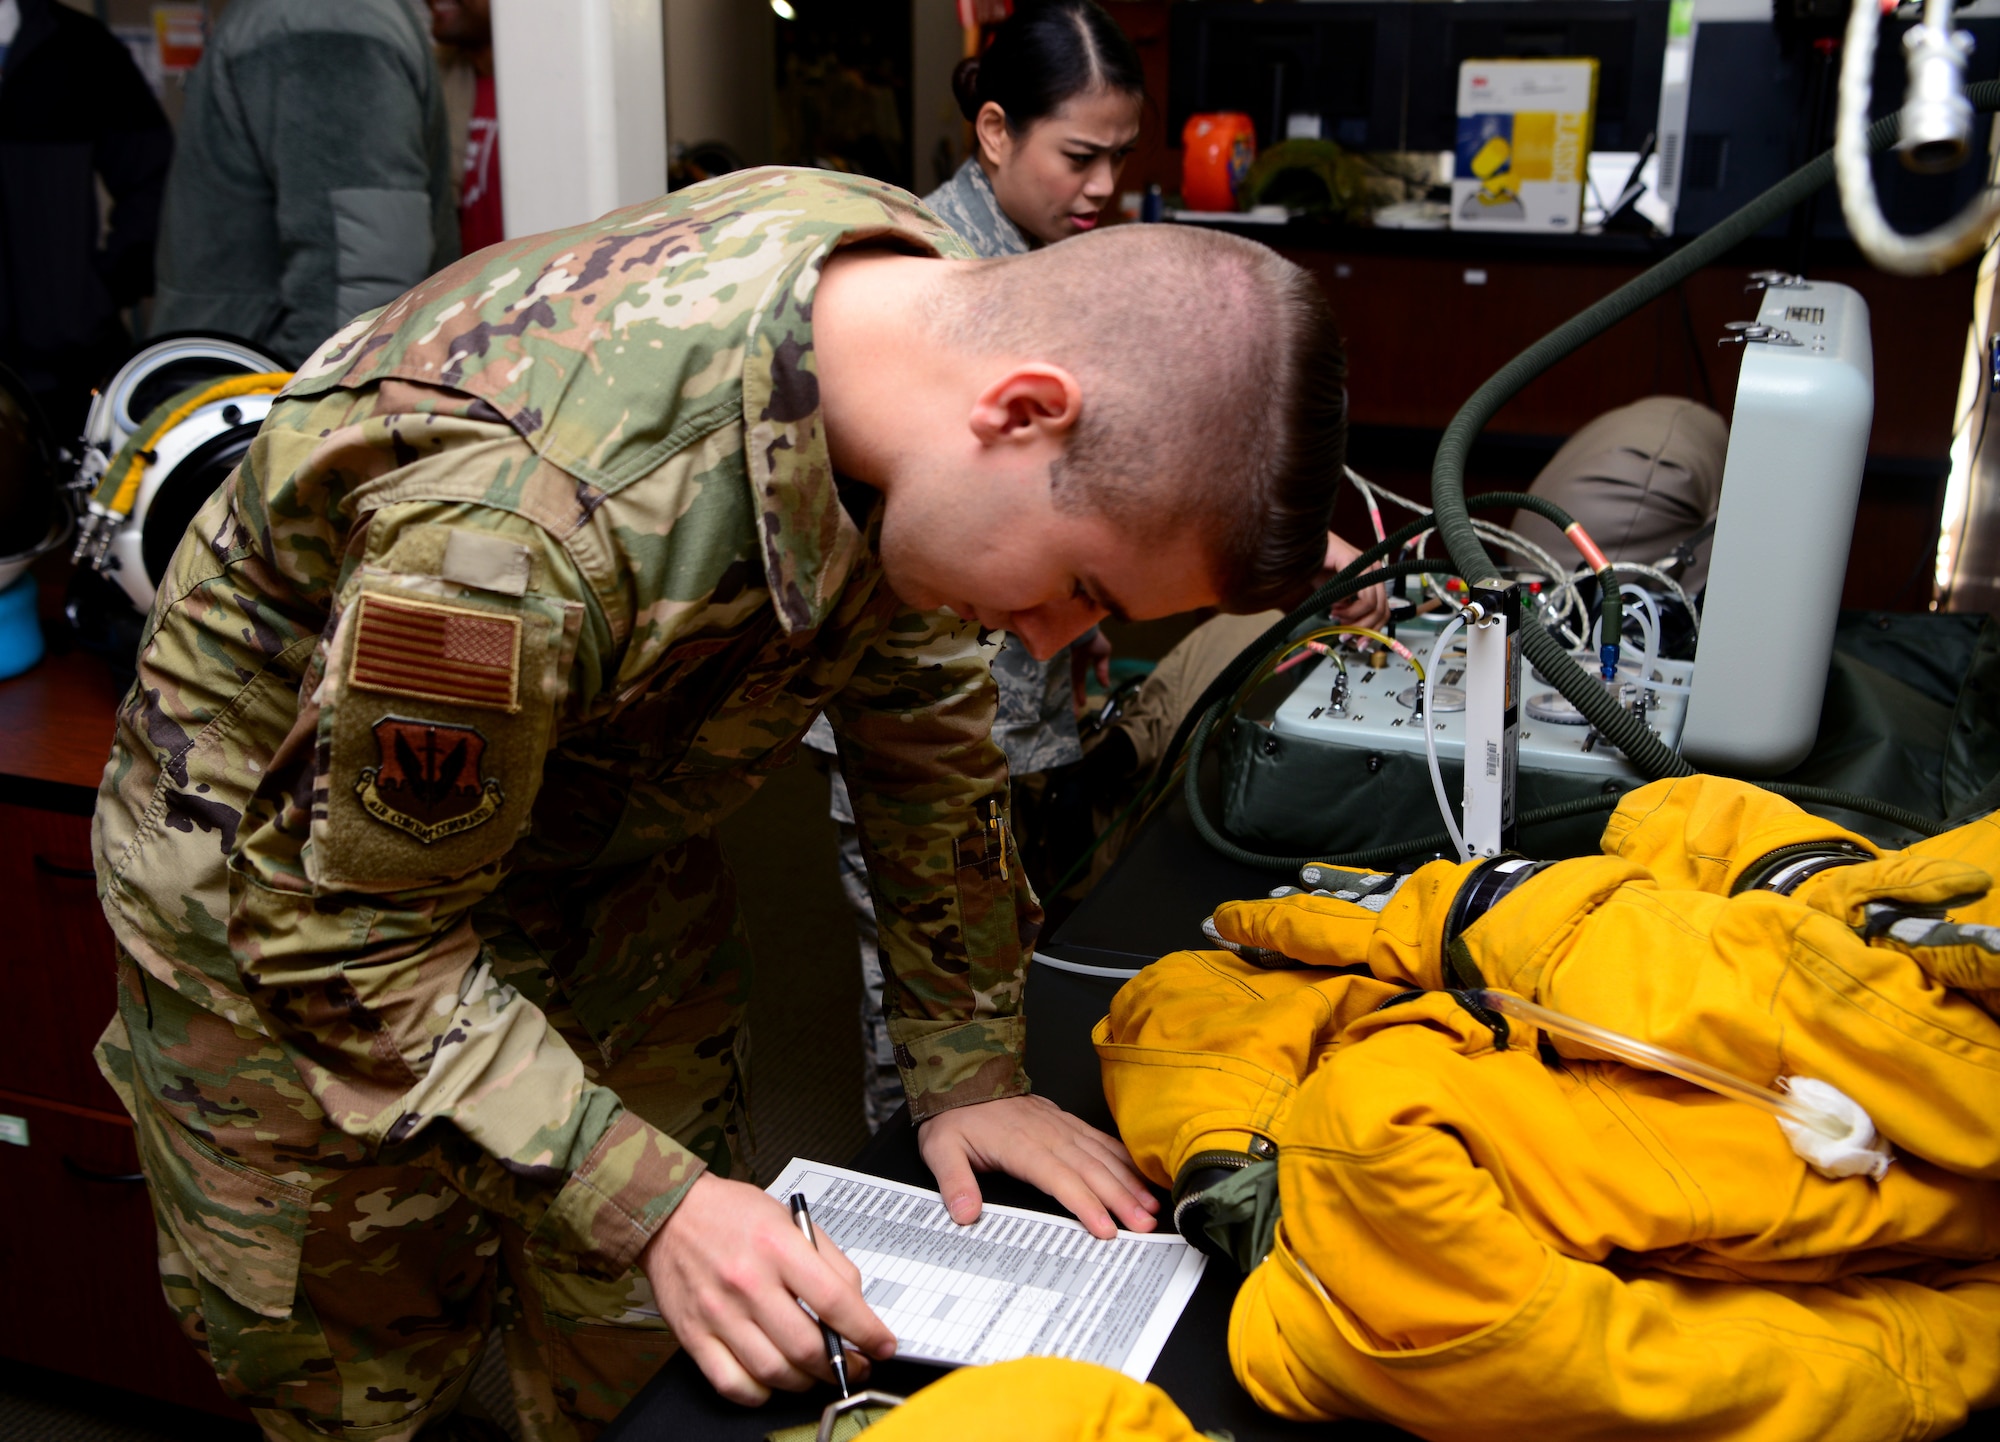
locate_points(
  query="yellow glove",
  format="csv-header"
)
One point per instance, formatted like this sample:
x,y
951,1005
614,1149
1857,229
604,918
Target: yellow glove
x,y
1712,834
1901,899
1977,843
1407,937
1964,956
1915,884
1396,932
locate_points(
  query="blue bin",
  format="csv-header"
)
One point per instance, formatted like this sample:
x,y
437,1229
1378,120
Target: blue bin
x,y
20,628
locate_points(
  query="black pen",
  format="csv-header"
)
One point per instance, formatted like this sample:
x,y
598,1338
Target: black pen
x,y
834,1352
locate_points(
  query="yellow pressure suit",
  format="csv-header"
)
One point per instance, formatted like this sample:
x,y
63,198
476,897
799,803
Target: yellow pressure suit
x,y
1479,1242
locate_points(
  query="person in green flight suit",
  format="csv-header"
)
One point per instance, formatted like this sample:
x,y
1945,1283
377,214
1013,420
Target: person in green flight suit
x,y
432,982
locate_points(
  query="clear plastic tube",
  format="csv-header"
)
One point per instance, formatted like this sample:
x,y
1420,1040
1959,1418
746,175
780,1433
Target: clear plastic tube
x,y
1657,1058
1649,626
1669,585
1647,614
1430,734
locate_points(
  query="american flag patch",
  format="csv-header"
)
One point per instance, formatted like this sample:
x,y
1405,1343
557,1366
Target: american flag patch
x,y
437,653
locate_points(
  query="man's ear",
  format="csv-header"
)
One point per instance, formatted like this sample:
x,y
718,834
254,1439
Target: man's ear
x,y
1031,402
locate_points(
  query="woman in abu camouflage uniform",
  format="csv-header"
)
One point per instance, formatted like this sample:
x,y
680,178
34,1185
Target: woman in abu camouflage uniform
x,y
1054,103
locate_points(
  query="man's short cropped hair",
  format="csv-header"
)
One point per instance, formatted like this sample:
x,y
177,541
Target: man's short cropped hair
x,y
1214,390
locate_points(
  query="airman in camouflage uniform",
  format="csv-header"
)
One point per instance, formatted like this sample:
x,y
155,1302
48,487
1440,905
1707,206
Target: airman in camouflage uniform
x,y
431,967
432,974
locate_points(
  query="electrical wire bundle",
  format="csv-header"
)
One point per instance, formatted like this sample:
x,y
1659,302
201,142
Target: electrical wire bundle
x,y
1291,640
1568,605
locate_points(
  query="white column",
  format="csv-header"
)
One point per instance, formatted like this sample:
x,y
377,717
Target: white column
x,y
581,86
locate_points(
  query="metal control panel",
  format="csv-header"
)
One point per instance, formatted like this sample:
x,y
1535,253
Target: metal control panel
x,y
1378,710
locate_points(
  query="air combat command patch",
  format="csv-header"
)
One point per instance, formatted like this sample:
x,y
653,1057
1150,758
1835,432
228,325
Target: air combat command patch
x,y
426,779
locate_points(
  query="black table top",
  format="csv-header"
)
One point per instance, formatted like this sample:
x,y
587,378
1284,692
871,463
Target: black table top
x,y
1155,898
1151,903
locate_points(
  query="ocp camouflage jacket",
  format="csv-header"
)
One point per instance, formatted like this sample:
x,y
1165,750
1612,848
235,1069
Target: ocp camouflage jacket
x,y
531,577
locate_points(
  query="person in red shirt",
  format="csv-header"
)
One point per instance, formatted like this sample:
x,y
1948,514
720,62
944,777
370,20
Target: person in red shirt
x,y
463,30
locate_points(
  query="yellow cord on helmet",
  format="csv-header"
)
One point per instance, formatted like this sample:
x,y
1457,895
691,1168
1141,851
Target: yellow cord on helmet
x,y
127,472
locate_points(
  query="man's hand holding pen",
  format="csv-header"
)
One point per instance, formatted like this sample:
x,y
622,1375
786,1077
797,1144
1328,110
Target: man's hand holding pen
x,y
729,1270
731,1266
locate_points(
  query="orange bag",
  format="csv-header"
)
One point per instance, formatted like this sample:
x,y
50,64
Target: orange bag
x,y
1216,151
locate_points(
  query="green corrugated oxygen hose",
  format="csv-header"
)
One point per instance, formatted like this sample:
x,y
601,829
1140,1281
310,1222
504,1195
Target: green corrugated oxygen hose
x,y
1625,731
1453,522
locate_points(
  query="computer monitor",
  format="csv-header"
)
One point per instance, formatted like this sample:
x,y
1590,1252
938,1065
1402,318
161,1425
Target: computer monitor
x,y
1340,62
1748,126
1627,39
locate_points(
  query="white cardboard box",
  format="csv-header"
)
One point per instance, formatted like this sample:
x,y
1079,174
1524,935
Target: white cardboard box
x,y
1523,141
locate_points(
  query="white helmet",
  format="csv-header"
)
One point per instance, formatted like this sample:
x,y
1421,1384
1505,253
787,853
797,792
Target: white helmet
x,y
160,438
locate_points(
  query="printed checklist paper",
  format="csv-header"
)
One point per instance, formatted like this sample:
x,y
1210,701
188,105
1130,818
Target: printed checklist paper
x,y
1013,1284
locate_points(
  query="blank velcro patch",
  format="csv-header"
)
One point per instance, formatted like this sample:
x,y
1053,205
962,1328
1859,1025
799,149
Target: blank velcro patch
x,y
437,653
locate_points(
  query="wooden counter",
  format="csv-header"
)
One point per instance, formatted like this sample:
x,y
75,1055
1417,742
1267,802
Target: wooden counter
x,y
79,1237
55,732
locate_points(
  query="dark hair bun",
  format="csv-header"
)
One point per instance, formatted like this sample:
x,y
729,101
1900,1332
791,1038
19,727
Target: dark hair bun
x,y
965,86
1041,56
